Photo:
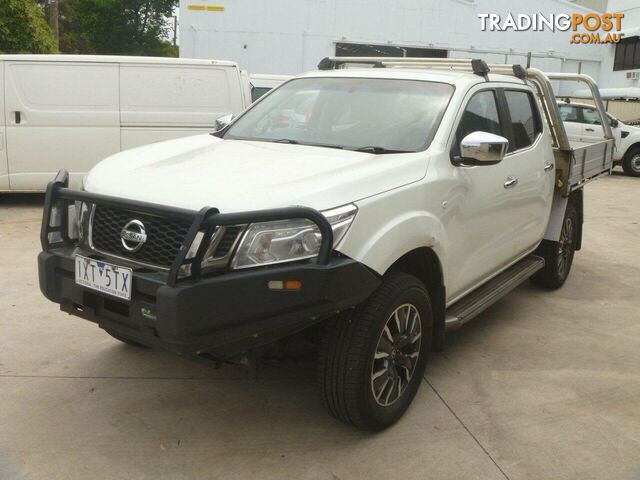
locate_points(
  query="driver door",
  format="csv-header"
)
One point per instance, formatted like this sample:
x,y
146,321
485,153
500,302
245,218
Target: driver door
x,y
592,130
571,119
481,213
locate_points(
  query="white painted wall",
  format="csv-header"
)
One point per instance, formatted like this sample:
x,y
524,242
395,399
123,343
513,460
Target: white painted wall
x,y
630,25
291,36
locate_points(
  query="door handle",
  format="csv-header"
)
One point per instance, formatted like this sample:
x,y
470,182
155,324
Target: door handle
x,y
548,167
17,117
511,182
589,130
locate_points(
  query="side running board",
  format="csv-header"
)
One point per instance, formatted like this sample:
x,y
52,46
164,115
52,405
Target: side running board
x,y
483,297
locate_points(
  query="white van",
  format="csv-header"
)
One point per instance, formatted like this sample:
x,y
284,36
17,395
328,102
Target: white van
x,y
72,111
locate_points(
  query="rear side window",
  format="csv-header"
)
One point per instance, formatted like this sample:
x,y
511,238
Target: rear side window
x,y
480,114
524,118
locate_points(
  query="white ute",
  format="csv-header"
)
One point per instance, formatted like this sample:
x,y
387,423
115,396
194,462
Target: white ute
x,y
582,123
385,205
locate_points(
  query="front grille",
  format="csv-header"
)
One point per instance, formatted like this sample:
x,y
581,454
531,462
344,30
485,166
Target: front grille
x,y
164,235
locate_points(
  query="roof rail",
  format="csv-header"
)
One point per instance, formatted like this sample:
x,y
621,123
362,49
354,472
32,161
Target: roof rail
x,y
475,65
478,66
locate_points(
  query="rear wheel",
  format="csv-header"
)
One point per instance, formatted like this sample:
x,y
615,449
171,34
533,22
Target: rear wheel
x,y
558,256
125,339
372,360
631,162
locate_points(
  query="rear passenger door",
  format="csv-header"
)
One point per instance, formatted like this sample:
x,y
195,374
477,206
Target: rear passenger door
x,y
59,115
530,162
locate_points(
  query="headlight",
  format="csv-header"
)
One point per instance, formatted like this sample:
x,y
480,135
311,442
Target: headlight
x,y
289,240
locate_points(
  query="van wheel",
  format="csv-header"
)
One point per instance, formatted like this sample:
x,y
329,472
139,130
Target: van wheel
x,y
126,340
631,162
558,256
372,359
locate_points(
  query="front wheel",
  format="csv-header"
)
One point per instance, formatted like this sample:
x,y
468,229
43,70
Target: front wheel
x,y
372,360
631,162
558,256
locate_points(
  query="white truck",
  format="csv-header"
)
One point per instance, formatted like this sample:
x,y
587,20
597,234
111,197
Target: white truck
x,y
386,205
582,123
71,111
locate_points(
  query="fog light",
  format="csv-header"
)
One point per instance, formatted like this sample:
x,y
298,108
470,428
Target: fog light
x,y
148,313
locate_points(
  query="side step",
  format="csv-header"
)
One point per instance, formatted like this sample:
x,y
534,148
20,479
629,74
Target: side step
x,y
483,297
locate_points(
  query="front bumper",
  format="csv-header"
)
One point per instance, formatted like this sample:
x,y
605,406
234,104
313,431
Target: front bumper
x,y
221,315
197,313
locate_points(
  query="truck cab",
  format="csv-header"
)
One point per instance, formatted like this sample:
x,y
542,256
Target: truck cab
x,y
384,201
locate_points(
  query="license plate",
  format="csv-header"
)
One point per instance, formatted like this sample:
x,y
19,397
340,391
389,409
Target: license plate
x,y
103,277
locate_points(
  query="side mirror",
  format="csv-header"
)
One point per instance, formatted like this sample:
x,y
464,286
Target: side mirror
x,y
614,122
483,148
223,122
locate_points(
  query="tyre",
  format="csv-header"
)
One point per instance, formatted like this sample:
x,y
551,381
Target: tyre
x,y
372,359
125,339
631,162
558,256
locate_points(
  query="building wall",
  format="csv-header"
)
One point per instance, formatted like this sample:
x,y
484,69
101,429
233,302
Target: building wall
x,y
630,25
291,36
627,111
597,5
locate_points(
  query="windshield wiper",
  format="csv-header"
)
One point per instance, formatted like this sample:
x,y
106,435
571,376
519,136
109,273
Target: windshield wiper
x,y
380,150
323,145
296,142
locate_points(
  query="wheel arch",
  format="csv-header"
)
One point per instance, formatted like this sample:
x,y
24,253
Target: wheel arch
x,y
630,148
556,215
424,264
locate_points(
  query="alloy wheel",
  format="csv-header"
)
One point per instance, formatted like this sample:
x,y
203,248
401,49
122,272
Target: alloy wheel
x,y
565,246
396,355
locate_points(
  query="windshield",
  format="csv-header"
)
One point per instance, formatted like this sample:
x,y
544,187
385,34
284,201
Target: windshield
x,y
377,115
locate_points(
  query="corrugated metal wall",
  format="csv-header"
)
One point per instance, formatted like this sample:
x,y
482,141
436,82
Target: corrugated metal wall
x,y
623,110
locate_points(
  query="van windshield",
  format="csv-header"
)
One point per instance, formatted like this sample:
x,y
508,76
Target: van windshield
x,y
367,114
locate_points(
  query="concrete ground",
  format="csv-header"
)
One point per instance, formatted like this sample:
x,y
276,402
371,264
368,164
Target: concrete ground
x,y
544,385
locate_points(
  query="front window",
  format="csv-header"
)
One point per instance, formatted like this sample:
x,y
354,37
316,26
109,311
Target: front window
x,y
590,116
372,115
569,113
480,115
